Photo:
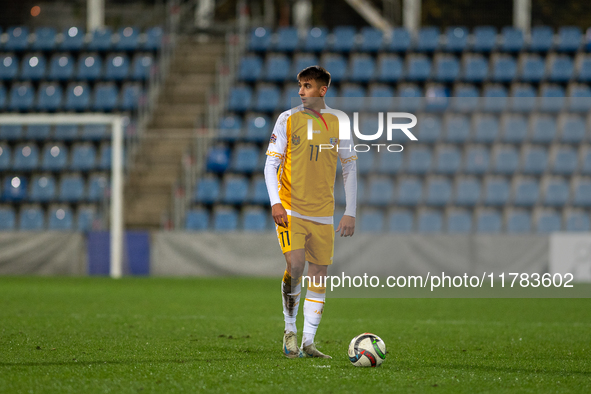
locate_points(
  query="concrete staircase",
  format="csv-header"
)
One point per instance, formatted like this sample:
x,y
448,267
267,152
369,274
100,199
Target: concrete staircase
x,y
148,188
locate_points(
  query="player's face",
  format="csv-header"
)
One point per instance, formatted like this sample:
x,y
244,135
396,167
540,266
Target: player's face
x,y
310,88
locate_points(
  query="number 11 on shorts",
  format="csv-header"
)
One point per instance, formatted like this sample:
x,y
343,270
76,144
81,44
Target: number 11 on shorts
x,y
284,238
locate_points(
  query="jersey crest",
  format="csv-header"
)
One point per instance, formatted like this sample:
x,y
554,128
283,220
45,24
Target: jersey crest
x,y
273,138
295,139
333,141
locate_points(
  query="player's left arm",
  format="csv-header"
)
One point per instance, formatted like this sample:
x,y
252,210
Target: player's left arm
x,y
349,164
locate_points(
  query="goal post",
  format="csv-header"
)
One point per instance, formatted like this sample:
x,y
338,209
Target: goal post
x,y
116,205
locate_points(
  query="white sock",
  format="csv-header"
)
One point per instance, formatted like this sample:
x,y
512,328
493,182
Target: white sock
x,y
313,309
291,302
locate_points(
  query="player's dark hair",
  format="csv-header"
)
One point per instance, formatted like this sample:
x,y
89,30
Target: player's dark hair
x,y
317,73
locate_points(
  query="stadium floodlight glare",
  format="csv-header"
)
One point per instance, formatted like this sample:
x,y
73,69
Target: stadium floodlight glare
x,y
116,123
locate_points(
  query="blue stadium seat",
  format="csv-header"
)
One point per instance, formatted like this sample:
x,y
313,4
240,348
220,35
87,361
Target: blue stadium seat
x,y
33,67
116,67
428,39
569,39
372,221
514,129
235,190
101,40
131,96
61,218
467,192
287,39
485,39
55,157
586,162
456,39
258,193
556,192
290,97
26,157
580,97
494,98
90,67
543,129
561,68
573,130
390,69
551,98
344,38
496,191
49,97
218,159
447,69
564,161
583,74
518,222
410,192
532,69
512,39
337,66
476,160
436,98
43,188
83,157
486,129
14,188
105,97
95,132
77,97
315,40
390,163
541,39
258,128
244,159
352,98
475,68
225,219
104,156
85,218
260,39
301,61
22,97
447,160
31,218
523,98
154,37
5,157
362,68
488,221
578,221
65,132
255,219
429,129
457,129
505,160
400,40
526,192
430,221
548,222
372,39
267,98
582,193
18,39
465,98
207,190
438,192
380,191
2,97
277,67
418,68
400,221
197,219
459,222
7,219
141,66
45,39
73,39
535,160
410,97
8,67
418,160
250,68
71,188
365,162
240,98
128,39
11,132
504,69
230,128
98,187
380,99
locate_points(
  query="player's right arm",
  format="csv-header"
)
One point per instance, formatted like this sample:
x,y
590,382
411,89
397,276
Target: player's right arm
x,y
275,155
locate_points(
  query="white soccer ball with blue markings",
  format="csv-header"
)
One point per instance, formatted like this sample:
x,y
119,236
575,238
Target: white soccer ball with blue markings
x,y
367,350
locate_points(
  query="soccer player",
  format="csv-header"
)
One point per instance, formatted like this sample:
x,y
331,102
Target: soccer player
x,y
300,175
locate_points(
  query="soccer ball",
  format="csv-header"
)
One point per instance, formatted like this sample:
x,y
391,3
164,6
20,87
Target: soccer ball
x,y
367,350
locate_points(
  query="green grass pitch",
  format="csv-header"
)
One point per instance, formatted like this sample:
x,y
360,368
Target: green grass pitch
x,y
97,335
